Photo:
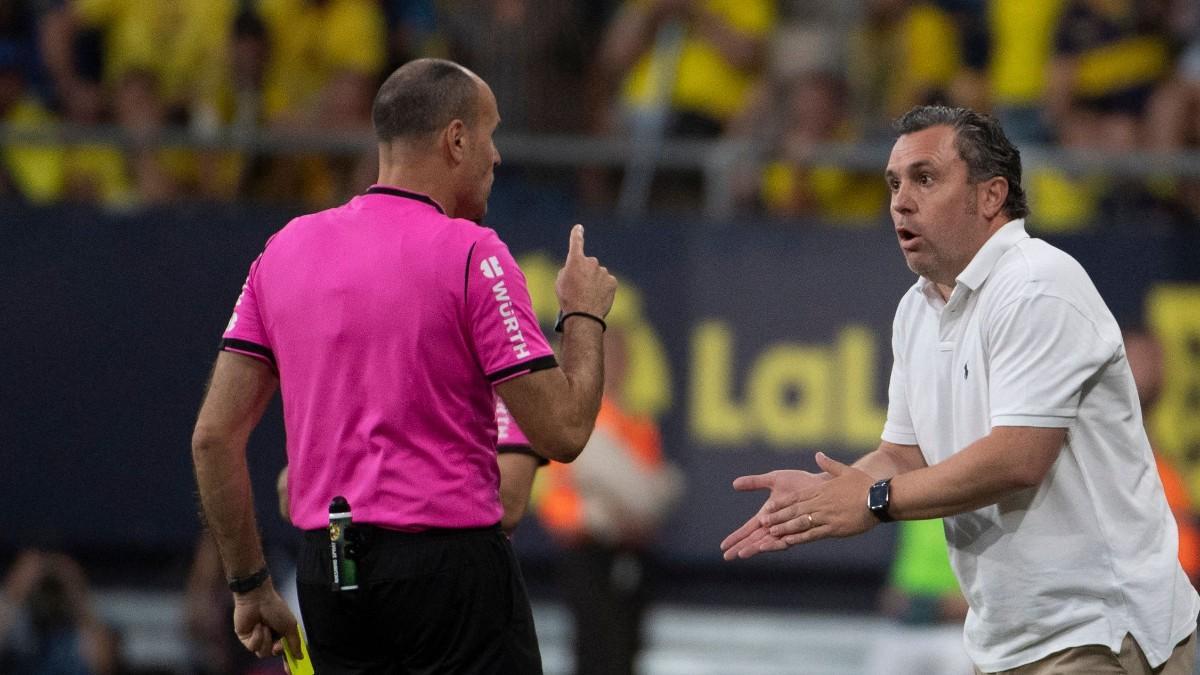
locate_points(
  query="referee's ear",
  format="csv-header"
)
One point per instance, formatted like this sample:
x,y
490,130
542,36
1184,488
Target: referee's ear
x,y
454,139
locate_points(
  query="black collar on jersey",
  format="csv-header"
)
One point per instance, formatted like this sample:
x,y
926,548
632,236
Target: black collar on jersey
x,y
397,192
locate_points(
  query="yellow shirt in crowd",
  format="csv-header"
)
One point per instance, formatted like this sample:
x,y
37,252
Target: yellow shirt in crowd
x,y
705,82
184,43
311,43
1022,34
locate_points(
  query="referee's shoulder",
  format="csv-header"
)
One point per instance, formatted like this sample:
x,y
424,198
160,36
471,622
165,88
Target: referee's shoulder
x,y
471,231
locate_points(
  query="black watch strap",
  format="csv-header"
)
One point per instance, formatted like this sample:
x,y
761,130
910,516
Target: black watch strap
x,y
249,583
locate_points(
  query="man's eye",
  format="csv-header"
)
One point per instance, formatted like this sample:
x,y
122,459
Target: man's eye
x,y
925,179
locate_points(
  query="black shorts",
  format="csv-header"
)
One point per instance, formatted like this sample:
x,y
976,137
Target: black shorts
x,y
441,601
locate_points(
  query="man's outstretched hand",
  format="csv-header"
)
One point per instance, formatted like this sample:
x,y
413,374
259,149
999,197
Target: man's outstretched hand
x,y
786,488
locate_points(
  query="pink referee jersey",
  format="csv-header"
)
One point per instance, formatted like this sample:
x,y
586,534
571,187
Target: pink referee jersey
x,y
508,434
389,323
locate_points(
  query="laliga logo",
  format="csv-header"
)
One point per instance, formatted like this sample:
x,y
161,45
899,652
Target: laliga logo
x,y
491,268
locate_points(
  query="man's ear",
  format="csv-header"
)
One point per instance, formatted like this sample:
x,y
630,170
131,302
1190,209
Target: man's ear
x,y
995,193
454,139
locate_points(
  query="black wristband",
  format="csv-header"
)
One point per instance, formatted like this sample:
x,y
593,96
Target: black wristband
x,y
558,325
247,584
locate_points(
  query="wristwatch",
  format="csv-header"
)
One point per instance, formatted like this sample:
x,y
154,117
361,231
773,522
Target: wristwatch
x,y
249,583
879,498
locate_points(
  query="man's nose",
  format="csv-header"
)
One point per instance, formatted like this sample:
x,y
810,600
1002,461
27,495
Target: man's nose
x,y
902,201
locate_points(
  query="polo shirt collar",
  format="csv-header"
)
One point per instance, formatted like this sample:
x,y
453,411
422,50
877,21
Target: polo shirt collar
x,y
989,254
983,263
406,194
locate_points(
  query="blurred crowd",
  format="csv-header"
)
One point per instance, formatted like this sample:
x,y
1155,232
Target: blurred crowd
x,y
181,91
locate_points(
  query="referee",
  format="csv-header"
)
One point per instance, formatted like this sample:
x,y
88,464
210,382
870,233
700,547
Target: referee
x,y
386,323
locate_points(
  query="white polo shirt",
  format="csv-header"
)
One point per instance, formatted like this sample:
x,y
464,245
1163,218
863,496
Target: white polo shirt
x,y
1091,553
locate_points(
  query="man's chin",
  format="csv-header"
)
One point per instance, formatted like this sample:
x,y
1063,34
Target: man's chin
x,y
915,265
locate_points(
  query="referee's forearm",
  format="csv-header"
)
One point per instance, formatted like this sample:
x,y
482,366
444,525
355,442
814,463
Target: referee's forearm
x,y
583,365
223,480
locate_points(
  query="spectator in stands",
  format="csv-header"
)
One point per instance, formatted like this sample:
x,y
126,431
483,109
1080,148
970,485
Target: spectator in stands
x,y
160,65
1108,57
237,109
1174,116
1173,122
47,623
699,58
533,52
1020,36
94,172
672,68
1068,201
142,115
52,171
326,58
907,52
241,102
72,59
809,111
181,45
28,171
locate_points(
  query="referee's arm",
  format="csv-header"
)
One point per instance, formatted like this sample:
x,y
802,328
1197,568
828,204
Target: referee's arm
x,y
238,394
557,407
517,470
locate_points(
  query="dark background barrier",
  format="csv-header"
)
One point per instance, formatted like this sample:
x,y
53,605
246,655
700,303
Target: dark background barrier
x,y
776,344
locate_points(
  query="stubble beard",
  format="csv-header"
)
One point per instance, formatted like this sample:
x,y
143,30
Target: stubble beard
x,y
937,261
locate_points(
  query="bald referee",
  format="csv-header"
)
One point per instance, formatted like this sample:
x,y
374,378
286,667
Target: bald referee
x,y
386,323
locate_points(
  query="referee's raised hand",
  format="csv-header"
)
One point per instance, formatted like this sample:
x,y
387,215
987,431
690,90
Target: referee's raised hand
x,y
584,285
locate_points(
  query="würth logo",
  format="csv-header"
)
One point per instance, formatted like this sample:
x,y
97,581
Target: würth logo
x,y
509,316
491,268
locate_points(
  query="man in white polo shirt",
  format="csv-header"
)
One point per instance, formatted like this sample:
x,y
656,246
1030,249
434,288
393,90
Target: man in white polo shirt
x,y
1012,414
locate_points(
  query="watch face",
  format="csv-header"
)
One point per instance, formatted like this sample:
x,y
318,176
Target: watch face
x,y
878,499
878,496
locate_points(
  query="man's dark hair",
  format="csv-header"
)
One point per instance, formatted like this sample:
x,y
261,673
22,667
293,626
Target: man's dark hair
x,y
981,143
423,96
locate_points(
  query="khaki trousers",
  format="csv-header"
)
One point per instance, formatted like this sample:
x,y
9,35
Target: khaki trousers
x,y
1098,660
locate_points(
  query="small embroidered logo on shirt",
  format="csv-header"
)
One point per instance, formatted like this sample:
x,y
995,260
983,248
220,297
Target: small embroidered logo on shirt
x,y
965,372
491,268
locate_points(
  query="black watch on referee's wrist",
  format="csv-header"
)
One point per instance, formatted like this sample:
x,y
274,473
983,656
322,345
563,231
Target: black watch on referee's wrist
x,y
248,583
879,498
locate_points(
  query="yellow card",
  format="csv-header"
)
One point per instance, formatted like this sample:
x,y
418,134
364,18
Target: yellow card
x,y
301,665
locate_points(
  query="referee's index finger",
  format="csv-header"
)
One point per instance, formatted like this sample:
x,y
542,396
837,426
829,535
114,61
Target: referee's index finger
x,y
576,246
